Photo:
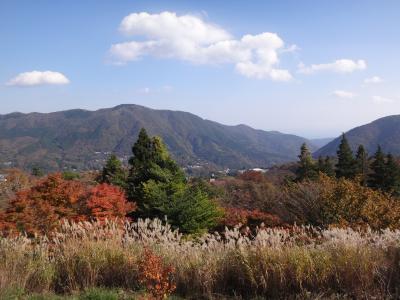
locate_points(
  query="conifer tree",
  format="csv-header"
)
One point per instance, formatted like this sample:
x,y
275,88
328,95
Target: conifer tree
x,y
325,166
113,172
392,175
346,166
306,167
378,168
362,164
160,189
150,161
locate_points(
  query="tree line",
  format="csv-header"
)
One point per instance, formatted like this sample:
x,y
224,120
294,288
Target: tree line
x,y
379,171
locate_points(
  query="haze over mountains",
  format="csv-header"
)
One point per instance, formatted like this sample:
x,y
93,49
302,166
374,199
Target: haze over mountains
x,y
81,139
384,132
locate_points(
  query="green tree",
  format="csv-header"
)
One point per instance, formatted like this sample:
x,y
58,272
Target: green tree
x,y
37,171
193,212
306,167
362,164
392,175
113,172
346,166
159,187
325,166
378,168
150,161
70,175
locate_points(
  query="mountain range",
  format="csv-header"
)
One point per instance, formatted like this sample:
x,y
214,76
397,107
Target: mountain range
x,y
82,139
384,132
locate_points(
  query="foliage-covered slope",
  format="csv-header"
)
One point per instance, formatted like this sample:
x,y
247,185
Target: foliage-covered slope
x,y
82,139
384,132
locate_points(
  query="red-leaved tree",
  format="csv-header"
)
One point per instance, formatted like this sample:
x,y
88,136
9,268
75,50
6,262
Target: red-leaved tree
x,y
106,201
40,208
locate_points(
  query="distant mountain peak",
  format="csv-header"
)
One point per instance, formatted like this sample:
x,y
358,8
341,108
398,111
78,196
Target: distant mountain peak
x,y
81,139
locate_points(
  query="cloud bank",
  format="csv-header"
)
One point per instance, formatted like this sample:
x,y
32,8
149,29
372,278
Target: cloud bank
x,y
189,38
344,94
338,66
35,78
373,80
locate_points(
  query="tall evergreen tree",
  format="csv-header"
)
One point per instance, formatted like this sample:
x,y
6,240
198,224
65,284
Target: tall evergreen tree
x,y
346,166
113,172
150,161
378,168
362,164
306,167
325,166
160,189
392,175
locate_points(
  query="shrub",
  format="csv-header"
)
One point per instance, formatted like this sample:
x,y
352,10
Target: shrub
x,y
155,276
341,201
251,218
41,208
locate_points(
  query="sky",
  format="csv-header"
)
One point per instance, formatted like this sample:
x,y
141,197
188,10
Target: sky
x,y
311,68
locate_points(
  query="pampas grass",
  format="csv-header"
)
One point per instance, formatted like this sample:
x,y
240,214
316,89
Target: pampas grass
x,y
272,263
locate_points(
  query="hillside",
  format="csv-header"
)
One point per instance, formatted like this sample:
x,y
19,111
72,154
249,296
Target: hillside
x,y
384,132
318,143
81,139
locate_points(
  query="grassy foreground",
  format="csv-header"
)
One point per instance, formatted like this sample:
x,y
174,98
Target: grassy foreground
x,y
148,260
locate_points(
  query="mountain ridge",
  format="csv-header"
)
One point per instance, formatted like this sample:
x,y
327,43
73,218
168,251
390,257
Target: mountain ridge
x,y
71,138
384,131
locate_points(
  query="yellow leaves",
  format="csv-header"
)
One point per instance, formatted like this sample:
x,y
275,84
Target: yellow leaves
x,y
346,202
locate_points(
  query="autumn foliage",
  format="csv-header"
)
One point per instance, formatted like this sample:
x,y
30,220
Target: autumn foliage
x,y
253,176
251,218
155,276
107,201
40,208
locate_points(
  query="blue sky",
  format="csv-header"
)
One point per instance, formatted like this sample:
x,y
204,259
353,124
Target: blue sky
x,y
314,69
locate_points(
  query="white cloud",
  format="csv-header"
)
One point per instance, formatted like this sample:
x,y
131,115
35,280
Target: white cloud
x,y
34,78
374,79
145,90
191,39
382,100
344,94
338,66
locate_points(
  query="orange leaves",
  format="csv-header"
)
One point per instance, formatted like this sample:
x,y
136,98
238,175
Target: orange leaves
x,y
155,276
106,201
40,208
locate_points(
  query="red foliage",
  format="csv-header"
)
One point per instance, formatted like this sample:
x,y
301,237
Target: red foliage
x,y
107,201
235,216
40,208
253,176
155,276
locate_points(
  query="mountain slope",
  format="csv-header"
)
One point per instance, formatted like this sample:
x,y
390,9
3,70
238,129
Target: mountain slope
x,y
321,142
384,132
82,139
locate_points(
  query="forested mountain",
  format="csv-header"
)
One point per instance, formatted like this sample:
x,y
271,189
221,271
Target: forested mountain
x,y
384,132
81,139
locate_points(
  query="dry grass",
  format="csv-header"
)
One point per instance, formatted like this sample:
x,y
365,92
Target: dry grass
x,y
275,263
